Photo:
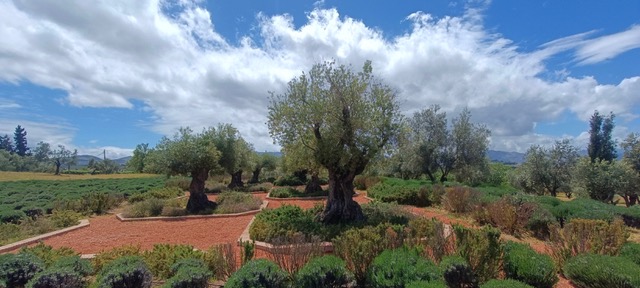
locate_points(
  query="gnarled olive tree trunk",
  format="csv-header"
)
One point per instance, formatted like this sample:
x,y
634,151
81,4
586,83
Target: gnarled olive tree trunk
x,y
198,200
255,176
314,184
340,205
236,180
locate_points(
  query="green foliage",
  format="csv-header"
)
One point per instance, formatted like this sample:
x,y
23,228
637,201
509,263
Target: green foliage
x,y
65,218
57,278
283,192
522,263
430,235
163,256
181,183
148,208
481,248
258,273
189,273
128,271
457,273
104,258
401,194
137,161
398,267
17,269
425,284
602,271
221,260
48,254
602,147
505,283
362,182
286,220
631,251
378,213
12,216
324,271
75,264
248,251
359,246
157,193
262,187
236,202
602,180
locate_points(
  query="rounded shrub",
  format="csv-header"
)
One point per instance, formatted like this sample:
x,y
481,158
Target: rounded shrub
x,y
522,263
631,251
270,224
258,273
57,278
128,271
325,271
74,263
593,270
18,269
457,272
427,284
189,273
398,267
505,283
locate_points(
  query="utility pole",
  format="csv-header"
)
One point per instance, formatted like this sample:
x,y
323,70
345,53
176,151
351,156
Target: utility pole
x,y
104,155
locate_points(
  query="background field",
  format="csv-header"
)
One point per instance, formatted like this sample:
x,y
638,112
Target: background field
x,y
20,176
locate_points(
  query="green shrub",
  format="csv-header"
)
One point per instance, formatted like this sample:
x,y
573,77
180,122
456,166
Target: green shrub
x,y
288,181
65,218
429,234
283,221
57,278
47,254
262,187
522,263
158,193
148,208
221,260
12,216
236,202
258,273
405,193
94,203
460,199
378,213
359,246
506,283
216,188
75,264
162,257
631,251
325,271
481,248
457,272
189,273
283,192
181,183
18,269
128,271
103,258
437,192
429,284
600,271
399,267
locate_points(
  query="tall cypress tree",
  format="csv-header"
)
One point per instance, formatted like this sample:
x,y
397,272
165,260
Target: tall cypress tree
x,y
601,145
20,140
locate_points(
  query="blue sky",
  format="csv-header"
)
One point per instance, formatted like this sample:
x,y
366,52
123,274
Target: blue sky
x,y
107,76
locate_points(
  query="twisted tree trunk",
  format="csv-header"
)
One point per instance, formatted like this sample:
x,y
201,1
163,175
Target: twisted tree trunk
x,y
314,184
198,200
236,180
340,205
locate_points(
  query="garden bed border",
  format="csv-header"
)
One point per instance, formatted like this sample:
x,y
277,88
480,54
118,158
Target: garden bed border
x,y
15,245
121,217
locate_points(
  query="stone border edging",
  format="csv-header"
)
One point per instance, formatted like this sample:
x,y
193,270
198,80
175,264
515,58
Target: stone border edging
x,y
120,217
35,239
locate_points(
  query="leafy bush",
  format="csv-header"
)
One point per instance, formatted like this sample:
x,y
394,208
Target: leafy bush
x,y
264,187
221,259
47,254
103,258
283,221
506,283
258,273
587,236
75,264
181,183
65,218
437,192
362,182
429,235
148,208
57,278
12,216
481,248
215,188
402,194
460,199
189,273
631,251
325,271
158,193
18,269
288,181
162,257
600,271
236,202
291,253
378,213
128,271
88,204
399,267
283,192
522,263
429,284
359,246
457,272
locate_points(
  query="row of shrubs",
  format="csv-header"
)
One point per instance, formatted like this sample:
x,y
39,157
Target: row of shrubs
x,y
291,192
227,203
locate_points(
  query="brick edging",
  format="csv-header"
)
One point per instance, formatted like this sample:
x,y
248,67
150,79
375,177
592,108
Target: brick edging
x,y
35,239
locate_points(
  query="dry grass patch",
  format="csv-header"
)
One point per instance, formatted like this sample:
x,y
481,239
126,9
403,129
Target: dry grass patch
x,y
21,176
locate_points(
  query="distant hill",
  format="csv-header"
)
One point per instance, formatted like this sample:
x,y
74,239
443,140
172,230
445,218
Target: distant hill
x,y
83,160
505,157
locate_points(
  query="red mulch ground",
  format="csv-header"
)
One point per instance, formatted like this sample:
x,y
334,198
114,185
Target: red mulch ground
x,y
106,232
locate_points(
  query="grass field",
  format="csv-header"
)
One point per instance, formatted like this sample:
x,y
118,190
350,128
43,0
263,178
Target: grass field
x,y
21,176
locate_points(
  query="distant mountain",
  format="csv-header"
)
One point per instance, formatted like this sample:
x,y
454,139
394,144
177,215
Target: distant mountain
x,y
505,157
83,160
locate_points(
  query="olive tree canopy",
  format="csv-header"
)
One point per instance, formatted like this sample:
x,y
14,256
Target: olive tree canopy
x,y
344,118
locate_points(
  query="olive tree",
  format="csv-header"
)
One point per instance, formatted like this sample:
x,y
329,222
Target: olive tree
x,y
425,138
191,154
344,118
263,161
62,156
297,158
631,147
549,170
137,161
602,180
235,153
